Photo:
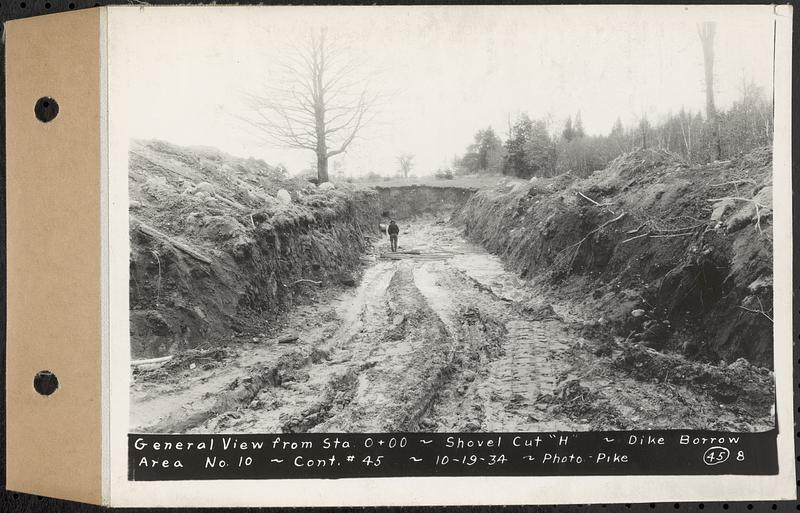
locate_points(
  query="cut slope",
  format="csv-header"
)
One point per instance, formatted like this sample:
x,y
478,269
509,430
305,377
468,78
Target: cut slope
x,y
688,248
217,247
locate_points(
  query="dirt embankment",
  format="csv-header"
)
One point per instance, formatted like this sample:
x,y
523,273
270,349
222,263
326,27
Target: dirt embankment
x,y
443,339
677,258
406,202
219,244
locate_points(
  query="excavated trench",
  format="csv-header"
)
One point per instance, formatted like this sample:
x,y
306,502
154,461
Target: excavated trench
x,y
437,337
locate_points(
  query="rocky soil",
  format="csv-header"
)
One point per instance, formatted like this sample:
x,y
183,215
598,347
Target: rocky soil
x,y
637,298
441,337
678,258
218,243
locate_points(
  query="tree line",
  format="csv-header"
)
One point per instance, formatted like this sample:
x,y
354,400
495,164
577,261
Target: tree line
x,y
323,102
534,147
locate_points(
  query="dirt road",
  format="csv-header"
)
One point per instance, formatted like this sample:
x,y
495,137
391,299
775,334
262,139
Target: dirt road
x,y
437,337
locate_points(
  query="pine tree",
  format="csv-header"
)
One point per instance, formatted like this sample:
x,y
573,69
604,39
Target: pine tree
x,y
579,126
569,132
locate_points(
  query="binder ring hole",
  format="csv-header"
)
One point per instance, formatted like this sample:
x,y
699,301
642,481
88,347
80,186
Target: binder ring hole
x,y
46,109
45,382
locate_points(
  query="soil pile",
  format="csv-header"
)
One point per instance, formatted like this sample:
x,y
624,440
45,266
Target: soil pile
x,y
220,243
674,257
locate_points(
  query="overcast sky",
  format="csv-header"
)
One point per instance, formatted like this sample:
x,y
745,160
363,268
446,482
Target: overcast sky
x,y
450,70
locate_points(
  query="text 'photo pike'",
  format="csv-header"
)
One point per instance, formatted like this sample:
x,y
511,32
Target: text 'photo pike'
x,y
446,224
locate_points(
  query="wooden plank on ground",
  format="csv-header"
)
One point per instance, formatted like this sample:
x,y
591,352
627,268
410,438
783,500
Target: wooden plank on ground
x,y
230,202
151,361
152,232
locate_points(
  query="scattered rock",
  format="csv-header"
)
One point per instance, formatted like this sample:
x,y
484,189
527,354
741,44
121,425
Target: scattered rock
x,y
604,347
220,228
326,186
284,197
472,426
288,339
204,187
570,389
764,198
720,209
762,283
540,311
740,363
427,424
347,279
318,355
637,313
741,219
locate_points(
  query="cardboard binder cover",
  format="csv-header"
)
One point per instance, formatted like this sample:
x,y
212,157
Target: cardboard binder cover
x,y
54,255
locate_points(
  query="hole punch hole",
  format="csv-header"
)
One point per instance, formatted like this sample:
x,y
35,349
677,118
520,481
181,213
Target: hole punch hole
x,y
46,109
45,382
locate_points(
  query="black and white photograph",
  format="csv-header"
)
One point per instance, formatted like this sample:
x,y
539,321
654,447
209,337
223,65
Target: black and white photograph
x,y
451,220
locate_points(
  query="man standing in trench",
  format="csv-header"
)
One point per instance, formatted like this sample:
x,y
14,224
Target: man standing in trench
x,y
393,230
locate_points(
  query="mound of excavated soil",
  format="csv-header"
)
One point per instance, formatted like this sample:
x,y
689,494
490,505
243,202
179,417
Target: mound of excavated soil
x,y
220,243
675,257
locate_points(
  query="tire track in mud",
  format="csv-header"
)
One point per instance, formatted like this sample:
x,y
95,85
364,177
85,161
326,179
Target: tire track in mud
x,y
530,356
379,371
328,384
410,357
256,390
419,345
529,370
402,348
451,344
506,361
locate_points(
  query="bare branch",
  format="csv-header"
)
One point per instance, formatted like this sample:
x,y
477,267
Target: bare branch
x,y
317,101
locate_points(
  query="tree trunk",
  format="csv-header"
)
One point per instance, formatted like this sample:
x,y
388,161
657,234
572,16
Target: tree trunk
x,y
322,147
322,168
707,39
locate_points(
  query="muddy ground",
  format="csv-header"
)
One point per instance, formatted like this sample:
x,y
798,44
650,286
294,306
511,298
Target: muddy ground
x,y
440,337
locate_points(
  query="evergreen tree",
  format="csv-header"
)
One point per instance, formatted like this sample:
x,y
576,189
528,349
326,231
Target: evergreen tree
x,y
569,132
579,126
516,162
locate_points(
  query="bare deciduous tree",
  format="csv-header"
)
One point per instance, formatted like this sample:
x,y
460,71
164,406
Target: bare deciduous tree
x,y
320,104
706,32
406,162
